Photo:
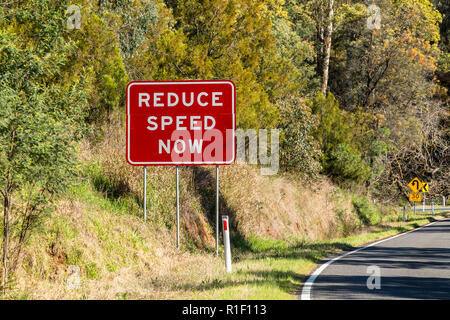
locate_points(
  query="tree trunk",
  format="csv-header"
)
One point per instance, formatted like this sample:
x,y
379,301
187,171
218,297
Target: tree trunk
x,y
327,40
6,212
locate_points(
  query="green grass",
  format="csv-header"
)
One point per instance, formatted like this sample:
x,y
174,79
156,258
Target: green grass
x,y
367,212
275,269
85,193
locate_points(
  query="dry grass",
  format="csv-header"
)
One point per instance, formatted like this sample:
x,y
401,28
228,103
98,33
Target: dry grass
x,y
279,207
119,257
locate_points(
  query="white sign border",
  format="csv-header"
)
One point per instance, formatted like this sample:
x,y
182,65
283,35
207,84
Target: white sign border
x,y
182,162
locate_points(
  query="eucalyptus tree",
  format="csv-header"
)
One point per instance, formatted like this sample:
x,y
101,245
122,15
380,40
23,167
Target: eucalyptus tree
x,y
41,115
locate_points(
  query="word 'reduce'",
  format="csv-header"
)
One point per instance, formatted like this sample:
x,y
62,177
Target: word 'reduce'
x,y
172,99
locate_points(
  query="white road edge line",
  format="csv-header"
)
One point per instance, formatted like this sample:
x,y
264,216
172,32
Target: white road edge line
x,y
306,290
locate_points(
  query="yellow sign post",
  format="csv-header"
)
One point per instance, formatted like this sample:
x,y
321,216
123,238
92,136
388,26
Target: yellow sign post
x,y
415,197
415,185
425,187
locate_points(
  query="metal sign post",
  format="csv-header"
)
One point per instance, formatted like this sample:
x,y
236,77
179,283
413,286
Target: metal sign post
x,y
404,213
178,209
226,242
217,210
145,193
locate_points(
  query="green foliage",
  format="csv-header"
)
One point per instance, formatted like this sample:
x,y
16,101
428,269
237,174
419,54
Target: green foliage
x,y
341,157
231,41
105,74
41,116
135,18
295,50
271,50
443,62
366,211
343,162
388,75
252,43
53,80
91,271
114,195
334,127
299,149
258,244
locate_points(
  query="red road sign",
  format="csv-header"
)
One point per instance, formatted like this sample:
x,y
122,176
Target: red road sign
x,y
181,122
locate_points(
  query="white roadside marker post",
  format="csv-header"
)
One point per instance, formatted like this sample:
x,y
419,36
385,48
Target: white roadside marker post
x,y
443,201
432,208
145,193
226,242
178,208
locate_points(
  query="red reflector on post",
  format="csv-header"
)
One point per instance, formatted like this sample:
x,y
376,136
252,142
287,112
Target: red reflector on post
x,y
225,225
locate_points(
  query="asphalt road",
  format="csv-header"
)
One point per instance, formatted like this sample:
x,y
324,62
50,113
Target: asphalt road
x,y
413,265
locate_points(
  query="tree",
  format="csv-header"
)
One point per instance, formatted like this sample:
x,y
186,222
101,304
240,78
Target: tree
x,y
321,13
339,140
388,73
327,41
443,72
385,68
131,21
41,115
300,152
231,39
294,32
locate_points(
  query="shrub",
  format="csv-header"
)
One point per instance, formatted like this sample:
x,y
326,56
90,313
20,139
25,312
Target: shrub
x,y
341,157
346,163
367,212
299,150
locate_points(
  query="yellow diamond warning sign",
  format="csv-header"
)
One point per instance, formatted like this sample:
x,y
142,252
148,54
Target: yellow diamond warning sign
x,y
415,185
